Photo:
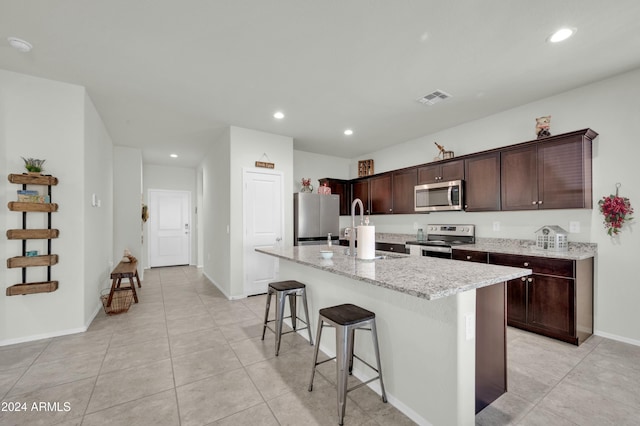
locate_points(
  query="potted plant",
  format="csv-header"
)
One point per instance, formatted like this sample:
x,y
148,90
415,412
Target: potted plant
x,y
33,165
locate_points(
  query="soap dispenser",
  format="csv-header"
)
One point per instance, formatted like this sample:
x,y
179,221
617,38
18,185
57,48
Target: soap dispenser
x,y
329,239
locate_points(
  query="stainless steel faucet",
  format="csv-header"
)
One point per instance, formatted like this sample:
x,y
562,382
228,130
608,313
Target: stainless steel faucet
x,y
352,237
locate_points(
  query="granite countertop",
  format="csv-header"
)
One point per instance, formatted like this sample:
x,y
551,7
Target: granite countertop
x,y
577,251
425,277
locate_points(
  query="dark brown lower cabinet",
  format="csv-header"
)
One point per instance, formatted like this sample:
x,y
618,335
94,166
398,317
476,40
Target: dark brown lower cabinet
x,y
555,301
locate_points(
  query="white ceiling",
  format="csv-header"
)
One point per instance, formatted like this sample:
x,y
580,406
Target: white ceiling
x,y
167,75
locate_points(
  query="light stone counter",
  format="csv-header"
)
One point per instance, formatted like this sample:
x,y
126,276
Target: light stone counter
x,y
577,251
426,277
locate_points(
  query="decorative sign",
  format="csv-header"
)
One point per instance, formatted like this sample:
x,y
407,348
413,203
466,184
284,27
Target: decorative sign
x,y
265,165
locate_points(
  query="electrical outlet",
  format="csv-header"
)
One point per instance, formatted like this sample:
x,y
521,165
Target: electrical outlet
x,y
496,226
574,227
470,326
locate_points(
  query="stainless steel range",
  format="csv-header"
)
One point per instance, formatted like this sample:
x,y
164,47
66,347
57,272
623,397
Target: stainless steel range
x,y
440,238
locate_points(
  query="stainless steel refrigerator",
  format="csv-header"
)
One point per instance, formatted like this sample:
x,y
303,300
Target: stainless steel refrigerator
x,y
314,217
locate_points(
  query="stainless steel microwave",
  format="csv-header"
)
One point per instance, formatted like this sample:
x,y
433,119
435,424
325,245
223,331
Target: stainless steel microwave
x,y
439,196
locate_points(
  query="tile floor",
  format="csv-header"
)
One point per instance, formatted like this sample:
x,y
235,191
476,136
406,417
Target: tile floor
x,y
187,356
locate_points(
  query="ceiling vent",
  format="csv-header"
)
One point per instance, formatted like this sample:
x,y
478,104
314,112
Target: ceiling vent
x,y
434,97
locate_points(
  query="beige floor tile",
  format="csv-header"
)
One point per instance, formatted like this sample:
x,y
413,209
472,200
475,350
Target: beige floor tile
x,y
139,334
200,365
280,375
122,386
196,341
201,321
51,405
160,409
135,355
588,408
215,398
21,355
260,415
232,313
76,344
48,374
509,409
541,417
242,330
8,378
255,350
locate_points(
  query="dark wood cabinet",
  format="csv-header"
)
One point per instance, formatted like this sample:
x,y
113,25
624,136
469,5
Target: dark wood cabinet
x,y
392,247
381,194
554,173
470,255
441,172
482,182
342,188
360,189
550,173
404,182
555,301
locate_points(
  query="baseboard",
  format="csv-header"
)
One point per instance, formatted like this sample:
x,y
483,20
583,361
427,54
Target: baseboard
x,y
617,338
42,336
221,289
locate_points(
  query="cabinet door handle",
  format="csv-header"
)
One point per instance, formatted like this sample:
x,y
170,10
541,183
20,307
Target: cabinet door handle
x,y
468,257
526,263
530,280
540,202
534,203
523,279
391,248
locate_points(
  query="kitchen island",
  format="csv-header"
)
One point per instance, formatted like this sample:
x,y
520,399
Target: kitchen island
x,y
436,320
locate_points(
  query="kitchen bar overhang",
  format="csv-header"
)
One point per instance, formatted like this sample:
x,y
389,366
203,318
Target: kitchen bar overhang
x,y
437,320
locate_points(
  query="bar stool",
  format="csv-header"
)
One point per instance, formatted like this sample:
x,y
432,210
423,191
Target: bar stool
x,y
346,319
282,289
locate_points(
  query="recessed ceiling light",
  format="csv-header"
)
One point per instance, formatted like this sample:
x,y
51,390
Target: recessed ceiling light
x,y
279,115
348,132
173,155
561,35
20,45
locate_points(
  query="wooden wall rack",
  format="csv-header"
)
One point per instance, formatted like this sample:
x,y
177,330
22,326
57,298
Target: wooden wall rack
x,y
25,234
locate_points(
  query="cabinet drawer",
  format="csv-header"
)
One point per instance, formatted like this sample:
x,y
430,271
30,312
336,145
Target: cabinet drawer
x,y
539,265
396,248
470,255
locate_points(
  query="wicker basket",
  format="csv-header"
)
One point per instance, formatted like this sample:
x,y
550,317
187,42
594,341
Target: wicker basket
x,y
121,301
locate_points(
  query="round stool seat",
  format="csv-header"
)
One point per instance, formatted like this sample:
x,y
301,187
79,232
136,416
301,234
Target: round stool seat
x,y
286,285
346,314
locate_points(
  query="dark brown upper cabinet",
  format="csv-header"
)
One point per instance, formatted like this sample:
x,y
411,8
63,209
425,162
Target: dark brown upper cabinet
x,y
342,188
381,193
360,189
404,182
482,183
441,172
552,174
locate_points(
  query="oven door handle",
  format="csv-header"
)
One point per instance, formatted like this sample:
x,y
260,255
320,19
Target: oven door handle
x,y
436,249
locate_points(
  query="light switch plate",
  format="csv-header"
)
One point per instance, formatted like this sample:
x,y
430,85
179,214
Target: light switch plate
x,y
574,227
496,226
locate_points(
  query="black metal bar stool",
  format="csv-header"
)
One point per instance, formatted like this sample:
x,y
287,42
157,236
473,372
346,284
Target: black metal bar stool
x,y
346,319
282,289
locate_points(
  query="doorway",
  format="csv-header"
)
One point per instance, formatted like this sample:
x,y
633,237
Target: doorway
x,y
169,228
263,224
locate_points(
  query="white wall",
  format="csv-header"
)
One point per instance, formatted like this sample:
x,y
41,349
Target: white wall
x,y
175,179
215,214
127,202
317,166
609,107
222,171
98,220
46,119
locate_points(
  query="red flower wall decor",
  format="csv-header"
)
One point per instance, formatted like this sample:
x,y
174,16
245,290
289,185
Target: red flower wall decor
x,y
616,211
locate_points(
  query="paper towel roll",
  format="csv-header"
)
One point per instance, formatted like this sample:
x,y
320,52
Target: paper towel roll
x,y
366,242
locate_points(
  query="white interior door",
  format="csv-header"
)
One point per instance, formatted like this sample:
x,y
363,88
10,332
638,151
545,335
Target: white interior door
x,y
263,227
169,227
